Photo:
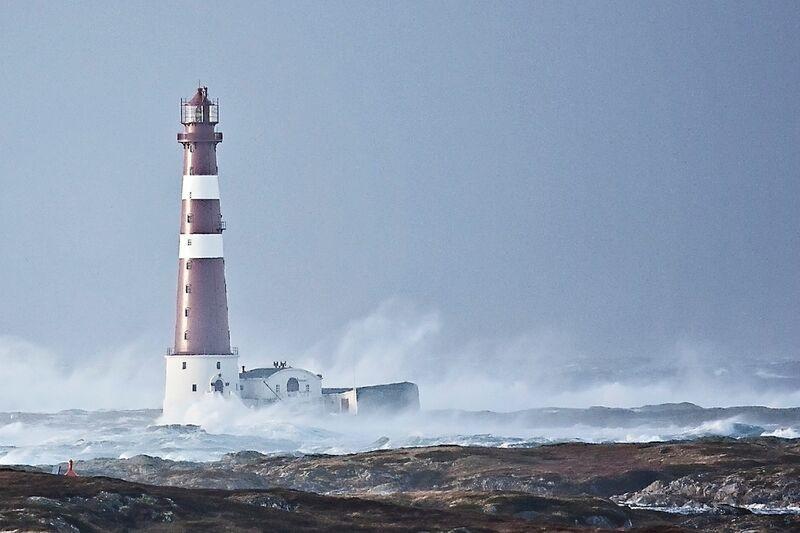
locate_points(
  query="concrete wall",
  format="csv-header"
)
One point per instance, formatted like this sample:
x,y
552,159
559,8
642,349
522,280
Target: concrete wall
x,y
341,402
388,398
200,372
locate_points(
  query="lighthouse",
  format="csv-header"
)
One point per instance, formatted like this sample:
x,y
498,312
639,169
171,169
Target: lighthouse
x,y
201,361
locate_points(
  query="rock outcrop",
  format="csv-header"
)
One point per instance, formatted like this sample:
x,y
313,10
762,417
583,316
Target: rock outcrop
x,y
710,484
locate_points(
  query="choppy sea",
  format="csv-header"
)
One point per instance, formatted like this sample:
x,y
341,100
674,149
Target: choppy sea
x,y
220,427
217,428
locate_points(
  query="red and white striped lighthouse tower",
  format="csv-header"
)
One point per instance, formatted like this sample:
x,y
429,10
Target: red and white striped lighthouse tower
x,y
201,361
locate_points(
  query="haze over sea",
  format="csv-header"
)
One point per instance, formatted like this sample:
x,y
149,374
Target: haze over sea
x,y
483,401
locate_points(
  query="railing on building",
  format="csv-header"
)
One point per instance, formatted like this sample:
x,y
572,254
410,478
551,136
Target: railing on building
x,y
171,351
192,137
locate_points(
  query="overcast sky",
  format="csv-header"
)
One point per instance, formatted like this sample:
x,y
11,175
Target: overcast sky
x,y
624,174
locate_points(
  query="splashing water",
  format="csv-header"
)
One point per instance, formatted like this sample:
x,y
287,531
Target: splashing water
x,y
211,428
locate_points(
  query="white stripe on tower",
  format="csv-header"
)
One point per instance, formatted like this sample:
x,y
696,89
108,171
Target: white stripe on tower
x,y
200,245
200,187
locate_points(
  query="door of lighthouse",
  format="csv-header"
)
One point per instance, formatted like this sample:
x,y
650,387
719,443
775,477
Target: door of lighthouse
x,y
219,386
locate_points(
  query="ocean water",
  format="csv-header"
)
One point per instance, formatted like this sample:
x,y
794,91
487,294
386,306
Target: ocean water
x,y
214,428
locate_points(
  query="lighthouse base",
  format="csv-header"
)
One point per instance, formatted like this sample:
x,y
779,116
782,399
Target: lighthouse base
x,y
191,377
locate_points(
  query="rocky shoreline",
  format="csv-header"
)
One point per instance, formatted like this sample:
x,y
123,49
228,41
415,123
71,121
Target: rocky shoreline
x,y
713,484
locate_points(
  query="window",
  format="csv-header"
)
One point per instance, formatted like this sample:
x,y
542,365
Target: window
x,y
188,264
189,218
188,242
183,366
186,335
219,365
194,387
308,387
186,312
277,388
188,288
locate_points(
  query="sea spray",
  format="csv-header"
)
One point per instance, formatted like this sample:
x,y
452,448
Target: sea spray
x,y
214,427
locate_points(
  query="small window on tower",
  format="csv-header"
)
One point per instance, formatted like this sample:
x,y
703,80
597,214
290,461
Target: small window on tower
x,y
189,218
186,312
184,365
186,335
188,264
188,288
194,387
188,242
219,365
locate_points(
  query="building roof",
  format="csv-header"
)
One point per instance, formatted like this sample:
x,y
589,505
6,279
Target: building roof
x,y
367,388
260,373
200,97
335,390
388,386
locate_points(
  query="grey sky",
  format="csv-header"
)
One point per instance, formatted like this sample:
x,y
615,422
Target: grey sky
x,y
625,173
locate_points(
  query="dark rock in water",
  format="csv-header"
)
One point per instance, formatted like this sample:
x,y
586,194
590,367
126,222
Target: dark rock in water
x,y
746,430
379,442
178,428
679,415
670,407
